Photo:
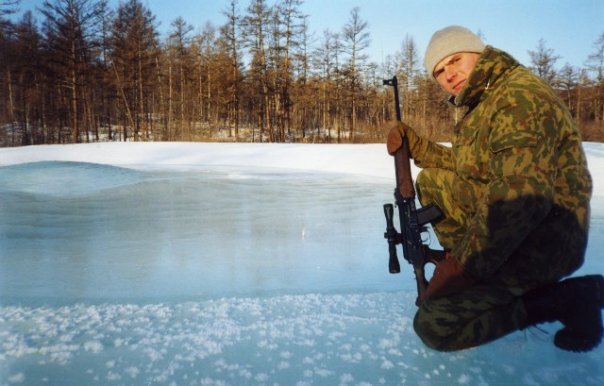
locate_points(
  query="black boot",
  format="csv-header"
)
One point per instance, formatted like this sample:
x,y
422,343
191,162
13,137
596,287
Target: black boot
x,y
576,302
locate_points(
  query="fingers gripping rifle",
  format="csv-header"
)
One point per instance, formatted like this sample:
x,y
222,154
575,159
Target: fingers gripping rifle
x,y
412,220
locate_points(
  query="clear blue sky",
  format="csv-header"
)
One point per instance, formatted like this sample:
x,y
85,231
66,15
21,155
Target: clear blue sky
x,y
569,27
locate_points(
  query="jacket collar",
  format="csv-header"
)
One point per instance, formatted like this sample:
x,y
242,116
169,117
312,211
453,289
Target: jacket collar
x,y
491,65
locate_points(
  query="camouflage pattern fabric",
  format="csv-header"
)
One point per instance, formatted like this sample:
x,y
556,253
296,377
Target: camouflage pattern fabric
x,y
515,189
469,318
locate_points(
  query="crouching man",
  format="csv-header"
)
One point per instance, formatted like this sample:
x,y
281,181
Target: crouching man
x,y
514,189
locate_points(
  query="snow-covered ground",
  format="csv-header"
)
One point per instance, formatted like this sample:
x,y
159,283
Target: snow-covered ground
x,y
215,264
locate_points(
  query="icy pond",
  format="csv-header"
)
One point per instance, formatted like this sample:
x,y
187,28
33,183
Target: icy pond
x,y
204,274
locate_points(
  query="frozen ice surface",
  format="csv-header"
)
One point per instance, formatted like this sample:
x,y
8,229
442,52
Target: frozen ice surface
x,y
321,339
187,270
96,233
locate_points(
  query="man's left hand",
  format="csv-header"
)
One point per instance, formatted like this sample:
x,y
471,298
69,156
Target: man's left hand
x,y
449,278
396,133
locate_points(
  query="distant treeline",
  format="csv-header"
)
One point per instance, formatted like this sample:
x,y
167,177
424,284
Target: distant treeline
x,y
80,71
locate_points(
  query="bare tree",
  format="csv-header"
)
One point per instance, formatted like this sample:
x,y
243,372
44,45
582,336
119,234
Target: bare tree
x,y
408,68
133,56
289,29
323,63
567,80
25,99
595,61
595,64
543,61
71,33
338,86
254,25
356,38
231,36
178,56
103,74
7,7
306,105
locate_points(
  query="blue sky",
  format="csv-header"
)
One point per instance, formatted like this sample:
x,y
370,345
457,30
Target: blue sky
x,y
569,27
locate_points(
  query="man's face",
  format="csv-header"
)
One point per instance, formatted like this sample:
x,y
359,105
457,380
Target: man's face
x,y
453,72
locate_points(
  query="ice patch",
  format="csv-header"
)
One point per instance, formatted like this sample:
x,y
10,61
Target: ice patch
x,y
93,346
16,378
237,341
64,179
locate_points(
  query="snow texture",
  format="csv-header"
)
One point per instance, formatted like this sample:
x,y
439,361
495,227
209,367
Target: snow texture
x,y
230,264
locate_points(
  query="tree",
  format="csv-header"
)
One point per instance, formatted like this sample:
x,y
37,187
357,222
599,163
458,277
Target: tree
x,y
567,80
595,64
254,25
7,7
543,61
26,97
290,19
306,107
356,38
106,93
231,35
407,71
178,56
324,64
595,61
71,34
338,86
134,51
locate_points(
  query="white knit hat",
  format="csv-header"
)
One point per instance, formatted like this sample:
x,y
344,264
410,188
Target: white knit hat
x,y
448,41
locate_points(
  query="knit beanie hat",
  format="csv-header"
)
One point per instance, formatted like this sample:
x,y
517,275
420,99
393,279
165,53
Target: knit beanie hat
x,y
448,41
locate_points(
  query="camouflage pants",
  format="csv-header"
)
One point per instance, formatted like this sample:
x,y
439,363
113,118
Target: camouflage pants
x,y
486,311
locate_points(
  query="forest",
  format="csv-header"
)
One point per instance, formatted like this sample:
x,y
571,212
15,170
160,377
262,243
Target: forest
x,y
80,71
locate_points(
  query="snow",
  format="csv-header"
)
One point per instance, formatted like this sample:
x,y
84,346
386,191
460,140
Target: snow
x,y
354,159
229,264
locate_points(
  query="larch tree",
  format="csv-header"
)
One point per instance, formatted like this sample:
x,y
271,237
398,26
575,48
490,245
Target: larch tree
x,y
231,35
543,61
71,32
356,40
134,51
255,26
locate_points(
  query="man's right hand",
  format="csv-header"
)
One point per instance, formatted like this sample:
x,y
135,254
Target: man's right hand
x,y
396,133
449,278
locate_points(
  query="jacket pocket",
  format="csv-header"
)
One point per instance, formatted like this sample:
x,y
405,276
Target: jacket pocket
x,y
514,139
471,155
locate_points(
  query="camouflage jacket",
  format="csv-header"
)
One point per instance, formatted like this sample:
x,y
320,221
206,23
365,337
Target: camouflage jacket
x,y
518,153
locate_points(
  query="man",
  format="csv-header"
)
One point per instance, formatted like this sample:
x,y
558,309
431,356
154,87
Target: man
x,y
515,190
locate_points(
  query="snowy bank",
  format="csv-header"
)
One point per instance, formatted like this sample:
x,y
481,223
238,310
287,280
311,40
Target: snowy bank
x,y
367,159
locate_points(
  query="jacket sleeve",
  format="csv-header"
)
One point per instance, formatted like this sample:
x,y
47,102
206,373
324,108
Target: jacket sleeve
x,y
522,171
428,154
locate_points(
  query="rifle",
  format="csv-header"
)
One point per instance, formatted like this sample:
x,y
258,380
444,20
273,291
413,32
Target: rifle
x,y
412,220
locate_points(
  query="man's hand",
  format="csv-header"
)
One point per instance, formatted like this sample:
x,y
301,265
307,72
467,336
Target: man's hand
x,y
448,278
396,133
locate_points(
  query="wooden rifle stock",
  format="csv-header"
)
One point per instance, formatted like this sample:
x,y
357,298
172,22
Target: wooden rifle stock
x,y
412,221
